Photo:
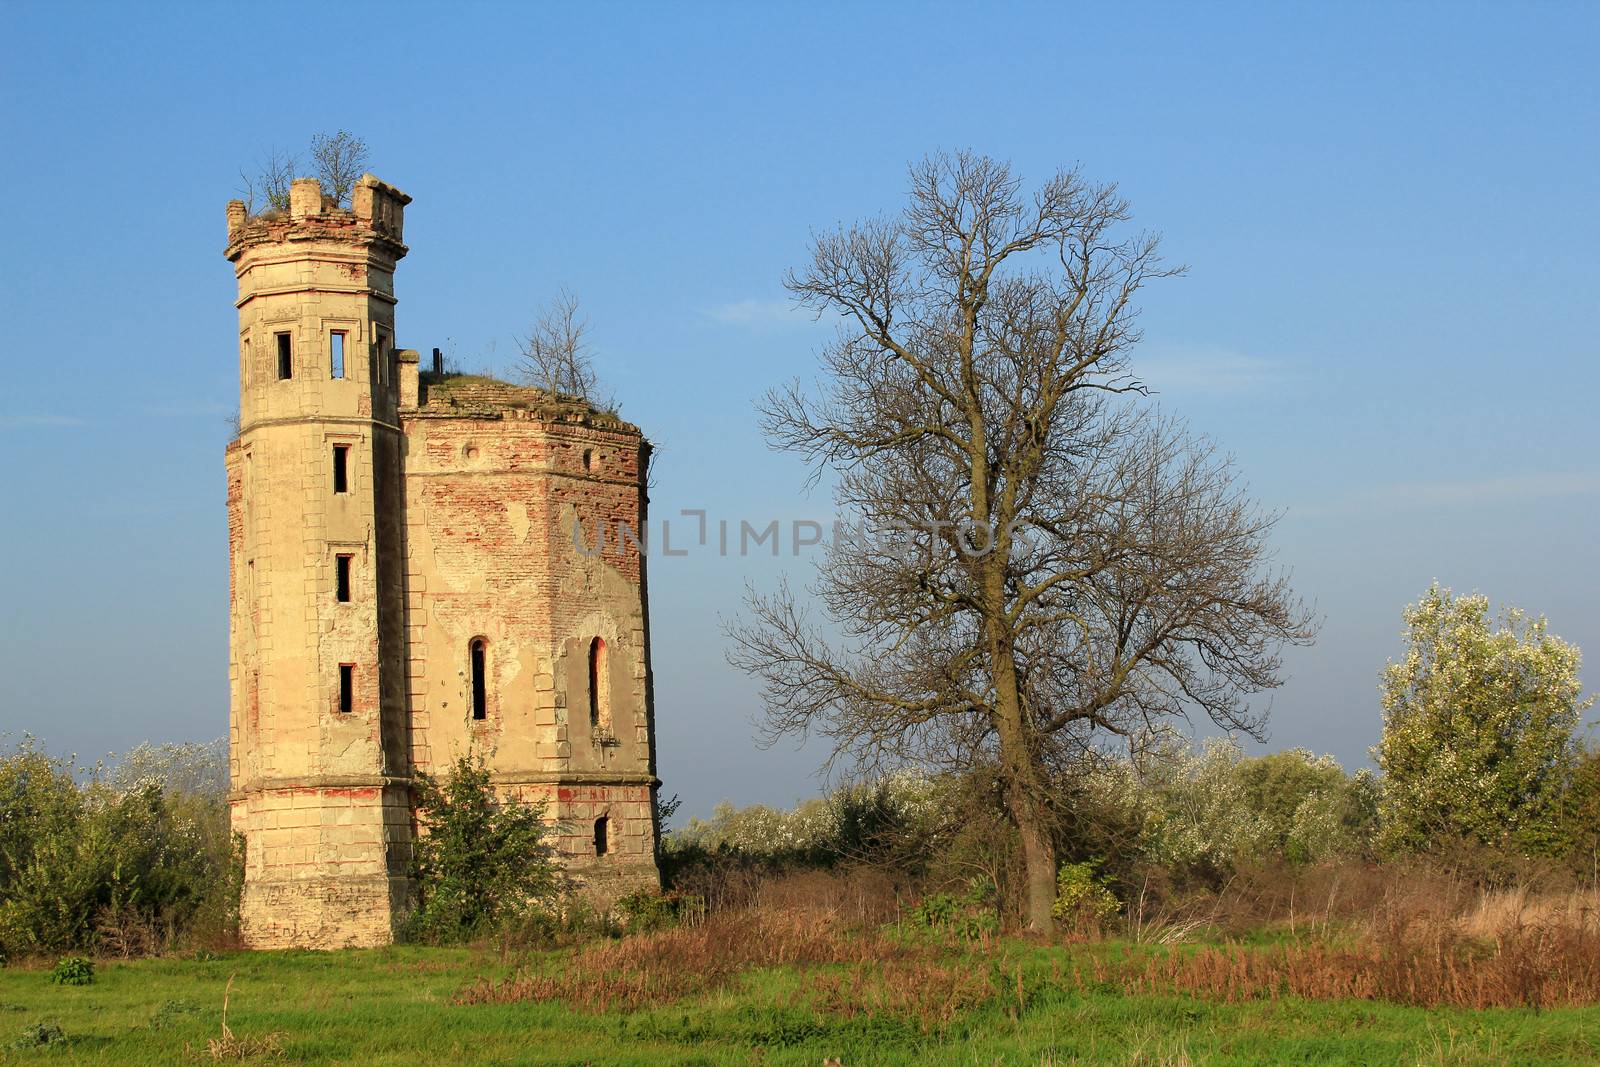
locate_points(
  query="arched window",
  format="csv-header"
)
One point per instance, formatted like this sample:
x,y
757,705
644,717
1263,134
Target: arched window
x,y
599,687
480,685
602,836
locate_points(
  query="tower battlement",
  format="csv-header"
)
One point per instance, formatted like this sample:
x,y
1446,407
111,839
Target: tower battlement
x,y
376,212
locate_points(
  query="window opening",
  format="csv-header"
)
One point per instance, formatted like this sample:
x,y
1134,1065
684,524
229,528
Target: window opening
x,y
480,688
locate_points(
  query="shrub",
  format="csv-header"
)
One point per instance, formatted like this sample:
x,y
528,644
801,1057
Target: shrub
x,y
37,1035
881,821
73,970
483,862
1199,816
644,911
1478,734
969,915
1083,902
1579,831
139,856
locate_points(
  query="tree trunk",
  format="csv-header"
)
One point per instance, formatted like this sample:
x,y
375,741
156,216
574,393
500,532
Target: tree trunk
x,y
1024,795
1028,813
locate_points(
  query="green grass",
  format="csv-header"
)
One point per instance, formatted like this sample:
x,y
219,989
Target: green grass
x,y
393,1006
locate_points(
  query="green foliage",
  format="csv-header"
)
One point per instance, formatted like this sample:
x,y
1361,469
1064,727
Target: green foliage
x,y
1579,829
1182,814
73,970
38,1035
171,1013
645,910
1478,736
483,862
132,861
1309,809
1200,815
666,809
969,915
886,820
1083,901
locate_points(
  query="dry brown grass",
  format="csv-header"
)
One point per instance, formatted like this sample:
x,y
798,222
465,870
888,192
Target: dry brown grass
x,y
825,924
1526,965
229,1046
663,967
928,993
1414,935
858,897
1337,900
1497,910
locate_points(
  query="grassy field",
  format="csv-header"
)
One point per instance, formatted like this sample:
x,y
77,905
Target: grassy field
x,y
1009,1004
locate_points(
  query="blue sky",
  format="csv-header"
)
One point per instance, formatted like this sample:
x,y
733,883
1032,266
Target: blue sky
x,y
1390,318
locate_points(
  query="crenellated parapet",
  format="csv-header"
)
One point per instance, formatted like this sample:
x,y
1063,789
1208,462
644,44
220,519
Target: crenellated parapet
x,y
376,215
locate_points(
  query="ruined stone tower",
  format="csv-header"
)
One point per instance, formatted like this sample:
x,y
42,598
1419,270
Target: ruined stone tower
x,y
407,587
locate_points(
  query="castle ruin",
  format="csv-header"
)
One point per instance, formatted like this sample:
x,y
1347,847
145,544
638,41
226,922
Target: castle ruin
x,y
405,588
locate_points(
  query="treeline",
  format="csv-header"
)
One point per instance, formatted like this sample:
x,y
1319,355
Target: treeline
x,y
132,856
1172,820
1482,769
1483,772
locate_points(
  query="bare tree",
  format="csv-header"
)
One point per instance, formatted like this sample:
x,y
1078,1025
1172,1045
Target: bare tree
x,y
1049,565
270,182
556,355
340,159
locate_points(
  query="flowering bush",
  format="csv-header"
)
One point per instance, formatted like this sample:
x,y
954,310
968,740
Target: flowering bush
x,y
1204,812
1478,734
1083,902
849,822
131,859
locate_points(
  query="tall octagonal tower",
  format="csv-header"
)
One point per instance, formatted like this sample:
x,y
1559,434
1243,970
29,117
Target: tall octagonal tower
x,y
411,582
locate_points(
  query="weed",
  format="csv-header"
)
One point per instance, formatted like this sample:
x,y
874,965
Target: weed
x,y
970,916
228,1046
169,1011
927,993
37,1035
73,970
1535,966
644,911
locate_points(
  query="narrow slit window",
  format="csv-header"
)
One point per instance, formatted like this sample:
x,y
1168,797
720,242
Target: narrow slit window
x,y
602,836
342,576
380,349
336,353
599,689
480,685
347,687
341,468
285,357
